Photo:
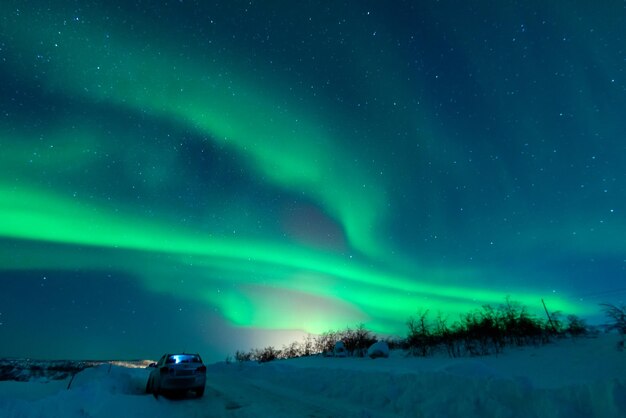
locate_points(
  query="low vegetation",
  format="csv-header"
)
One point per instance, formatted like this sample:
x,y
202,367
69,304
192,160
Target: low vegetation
x,y
485,331
23,370
617,318
356,341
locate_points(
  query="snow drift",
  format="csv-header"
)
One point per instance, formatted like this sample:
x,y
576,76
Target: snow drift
x,y
571,378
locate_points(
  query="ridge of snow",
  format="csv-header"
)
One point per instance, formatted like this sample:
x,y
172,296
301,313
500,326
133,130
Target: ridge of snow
x,y
570,378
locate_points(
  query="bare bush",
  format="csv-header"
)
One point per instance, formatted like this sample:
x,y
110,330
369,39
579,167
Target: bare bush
x,y
617,315
420,340
295,349
307,347
242,356
266,354
357,340
483,331
480,332
325,342
576,327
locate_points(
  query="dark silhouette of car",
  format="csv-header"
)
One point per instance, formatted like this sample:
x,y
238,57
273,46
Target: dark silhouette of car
x,y
177,373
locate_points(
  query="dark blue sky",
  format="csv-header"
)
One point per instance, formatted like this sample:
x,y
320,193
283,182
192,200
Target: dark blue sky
x,y
226,175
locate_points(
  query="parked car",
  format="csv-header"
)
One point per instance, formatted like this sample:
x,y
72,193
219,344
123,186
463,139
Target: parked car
x,y
178,373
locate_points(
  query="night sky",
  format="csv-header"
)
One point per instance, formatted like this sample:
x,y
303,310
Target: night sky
x,y
212,176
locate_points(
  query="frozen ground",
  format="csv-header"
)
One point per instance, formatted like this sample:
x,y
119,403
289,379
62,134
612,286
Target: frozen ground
x,y
570,378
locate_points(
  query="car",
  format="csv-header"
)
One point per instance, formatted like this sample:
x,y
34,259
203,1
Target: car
x,y
177,373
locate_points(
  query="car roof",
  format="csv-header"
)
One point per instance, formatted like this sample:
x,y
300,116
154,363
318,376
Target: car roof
x,y
183,357
182,354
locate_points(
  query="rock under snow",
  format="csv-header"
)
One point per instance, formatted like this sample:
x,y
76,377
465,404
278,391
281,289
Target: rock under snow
x,y
340,349
378,349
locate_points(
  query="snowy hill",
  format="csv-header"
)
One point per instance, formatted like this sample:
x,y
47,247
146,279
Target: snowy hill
x,y
570,378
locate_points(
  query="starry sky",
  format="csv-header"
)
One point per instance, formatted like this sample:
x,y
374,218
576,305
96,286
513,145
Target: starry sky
x,y
212,176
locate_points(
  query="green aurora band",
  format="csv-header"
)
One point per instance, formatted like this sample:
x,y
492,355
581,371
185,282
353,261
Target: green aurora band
x,y
285,143
380,297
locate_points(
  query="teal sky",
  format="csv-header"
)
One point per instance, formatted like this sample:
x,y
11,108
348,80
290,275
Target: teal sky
x,y
235,174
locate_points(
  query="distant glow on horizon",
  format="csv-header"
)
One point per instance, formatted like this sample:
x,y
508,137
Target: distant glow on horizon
x,y
284,170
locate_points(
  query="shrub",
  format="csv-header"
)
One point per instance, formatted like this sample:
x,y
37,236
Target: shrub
x,y
395,343
325,342
292,350
266,354
242,356
617,315
307,348
447,337
357,341
555,324
420,340
480,332
575,326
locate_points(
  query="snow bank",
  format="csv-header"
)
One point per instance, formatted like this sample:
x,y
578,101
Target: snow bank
x,y
582,378
466,391
570,378
340,349
378,349
103,391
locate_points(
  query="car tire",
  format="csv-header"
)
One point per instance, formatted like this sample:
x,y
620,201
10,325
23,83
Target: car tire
x,y
200,392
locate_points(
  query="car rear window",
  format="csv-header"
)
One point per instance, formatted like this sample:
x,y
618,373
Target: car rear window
x,y
183,358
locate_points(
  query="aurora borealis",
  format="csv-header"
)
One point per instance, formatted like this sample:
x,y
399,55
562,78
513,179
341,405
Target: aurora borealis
x,y
230,174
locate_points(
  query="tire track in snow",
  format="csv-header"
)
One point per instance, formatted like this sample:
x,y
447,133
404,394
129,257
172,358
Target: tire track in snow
x,y
242,397
245,398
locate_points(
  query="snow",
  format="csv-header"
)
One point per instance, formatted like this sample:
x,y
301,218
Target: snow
x,y
378,349
340,349
569,378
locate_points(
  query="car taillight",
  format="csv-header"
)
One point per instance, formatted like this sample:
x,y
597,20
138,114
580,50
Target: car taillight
x,y
201,369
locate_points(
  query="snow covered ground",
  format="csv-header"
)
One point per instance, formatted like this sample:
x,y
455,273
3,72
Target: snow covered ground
x,y
571,378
